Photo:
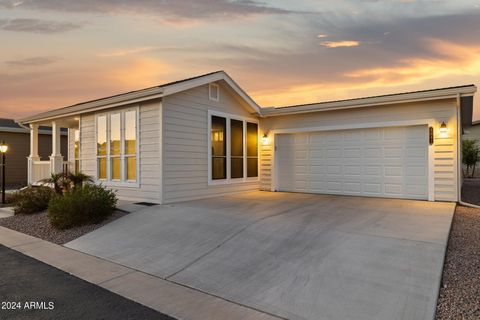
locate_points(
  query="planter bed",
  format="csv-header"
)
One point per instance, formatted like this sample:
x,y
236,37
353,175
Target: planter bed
x,y
38,225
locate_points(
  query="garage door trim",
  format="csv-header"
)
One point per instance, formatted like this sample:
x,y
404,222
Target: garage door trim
x,y
402,123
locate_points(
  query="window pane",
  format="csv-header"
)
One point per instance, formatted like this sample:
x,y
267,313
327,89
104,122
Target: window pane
x,y
219,146
115,134
77,166
236,134
252,167
130,132
236,168
252,139
102,135
219,168
76,134
102,168
131,167
115,168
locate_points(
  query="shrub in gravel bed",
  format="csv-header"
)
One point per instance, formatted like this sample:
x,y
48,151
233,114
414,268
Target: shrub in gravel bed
x,y
31,200
82,205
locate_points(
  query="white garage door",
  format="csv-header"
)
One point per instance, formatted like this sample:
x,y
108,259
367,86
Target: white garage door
x,y
380,162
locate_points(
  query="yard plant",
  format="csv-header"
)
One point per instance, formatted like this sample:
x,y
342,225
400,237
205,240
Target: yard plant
x,y
87,204
32,199
470,157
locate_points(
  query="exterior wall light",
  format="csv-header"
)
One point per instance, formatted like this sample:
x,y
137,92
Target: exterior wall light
x,y
3,147
265,139
3,150
443,128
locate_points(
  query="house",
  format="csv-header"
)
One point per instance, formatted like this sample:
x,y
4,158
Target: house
x,y
18,140
205,136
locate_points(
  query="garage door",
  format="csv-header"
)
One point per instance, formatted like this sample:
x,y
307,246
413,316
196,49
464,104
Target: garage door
x,y
379,162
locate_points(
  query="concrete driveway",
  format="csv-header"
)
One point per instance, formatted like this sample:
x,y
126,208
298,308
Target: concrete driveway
x,y
297,256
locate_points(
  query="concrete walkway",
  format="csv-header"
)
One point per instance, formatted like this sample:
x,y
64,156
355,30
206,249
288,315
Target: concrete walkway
x,y
169,298
296,256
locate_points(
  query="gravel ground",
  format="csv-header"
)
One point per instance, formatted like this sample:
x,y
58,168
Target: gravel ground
x,y
38,225
471,191
460,291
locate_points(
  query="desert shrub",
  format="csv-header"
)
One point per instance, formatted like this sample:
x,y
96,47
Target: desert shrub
x,y
31,200
83,205
470,157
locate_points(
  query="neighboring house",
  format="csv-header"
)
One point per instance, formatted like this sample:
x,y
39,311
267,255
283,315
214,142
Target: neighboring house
x,y
18,140
204,136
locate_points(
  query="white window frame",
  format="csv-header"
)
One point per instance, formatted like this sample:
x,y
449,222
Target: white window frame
x,y
122,182
228,179
217,88
79,158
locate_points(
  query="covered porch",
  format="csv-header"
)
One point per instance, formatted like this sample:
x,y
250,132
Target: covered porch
x,y
58,162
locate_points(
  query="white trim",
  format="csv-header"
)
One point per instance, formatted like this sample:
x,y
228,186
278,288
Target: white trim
x,y
402,123
22,130
217,89
122,182
161,155
458,158
228,117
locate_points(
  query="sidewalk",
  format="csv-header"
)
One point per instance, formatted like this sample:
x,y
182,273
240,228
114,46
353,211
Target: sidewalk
x,y
165,296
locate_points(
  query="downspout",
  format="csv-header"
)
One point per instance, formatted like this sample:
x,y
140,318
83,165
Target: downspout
x,y
459,157
459,149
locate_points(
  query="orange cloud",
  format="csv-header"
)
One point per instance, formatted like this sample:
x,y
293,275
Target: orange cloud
x,y
140,73
458,63
337,44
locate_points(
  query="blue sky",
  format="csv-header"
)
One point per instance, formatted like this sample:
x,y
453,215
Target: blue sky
x,y
56,53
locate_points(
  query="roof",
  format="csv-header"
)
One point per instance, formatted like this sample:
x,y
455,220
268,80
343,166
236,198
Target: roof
x,y
9,125
185,84
403,97
142,95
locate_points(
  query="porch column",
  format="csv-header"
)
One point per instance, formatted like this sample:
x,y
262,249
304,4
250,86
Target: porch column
x,y
56,159
33,151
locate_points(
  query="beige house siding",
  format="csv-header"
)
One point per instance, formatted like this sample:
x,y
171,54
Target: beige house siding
x,y
185,150
445,148
149,188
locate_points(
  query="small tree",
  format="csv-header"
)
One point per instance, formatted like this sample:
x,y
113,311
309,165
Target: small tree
x,y
470,157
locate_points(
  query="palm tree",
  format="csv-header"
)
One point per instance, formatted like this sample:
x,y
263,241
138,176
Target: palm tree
x,y
79,178
57,180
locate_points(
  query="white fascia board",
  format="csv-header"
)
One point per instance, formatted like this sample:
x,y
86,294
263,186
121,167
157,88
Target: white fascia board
x,y
373,101
94,106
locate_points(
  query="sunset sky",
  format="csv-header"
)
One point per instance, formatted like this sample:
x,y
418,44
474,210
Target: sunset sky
x,y
58,52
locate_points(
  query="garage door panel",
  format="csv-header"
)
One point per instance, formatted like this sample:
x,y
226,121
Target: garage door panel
x,y
389,162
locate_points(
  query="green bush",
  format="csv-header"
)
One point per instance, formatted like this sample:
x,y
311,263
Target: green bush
x,y
83,205
470,157
32,199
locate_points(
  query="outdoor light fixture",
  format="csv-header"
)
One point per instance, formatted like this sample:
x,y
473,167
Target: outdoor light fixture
x,y
3,150
3,147
443,128
265,139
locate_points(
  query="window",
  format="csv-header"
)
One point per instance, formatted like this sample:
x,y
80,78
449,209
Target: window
x,y
252,149
234,148
219,148
117,147
213,92
102,147
76,156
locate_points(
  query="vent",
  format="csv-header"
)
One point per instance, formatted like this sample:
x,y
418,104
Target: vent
x,y
147,204
213,91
